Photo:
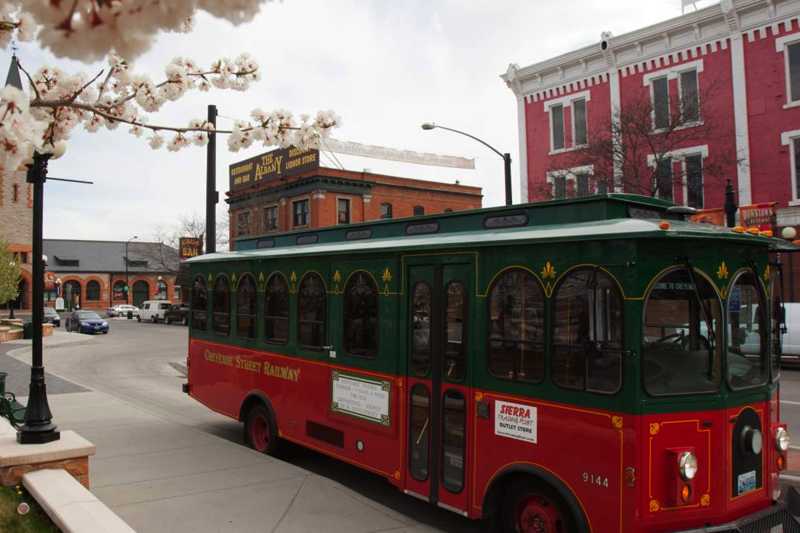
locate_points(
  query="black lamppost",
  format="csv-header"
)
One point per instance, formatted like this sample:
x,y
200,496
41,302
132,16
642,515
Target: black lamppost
x,y
506,156
127,288
38,427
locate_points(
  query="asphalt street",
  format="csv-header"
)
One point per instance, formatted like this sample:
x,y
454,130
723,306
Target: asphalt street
x,y
144,364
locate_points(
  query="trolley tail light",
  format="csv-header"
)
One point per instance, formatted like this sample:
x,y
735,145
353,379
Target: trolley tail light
x,y
782,442
684,472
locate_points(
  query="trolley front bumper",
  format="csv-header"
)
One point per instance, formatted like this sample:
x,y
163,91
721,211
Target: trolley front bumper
x,y
778,518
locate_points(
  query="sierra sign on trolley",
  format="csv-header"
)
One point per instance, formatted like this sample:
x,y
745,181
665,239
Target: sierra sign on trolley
x,y
596,364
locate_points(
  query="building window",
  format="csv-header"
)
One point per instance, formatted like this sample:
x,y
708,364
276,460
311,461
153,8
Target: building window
x,y
300,210
118,292
23,257
243,223
579,136
661,103
361,316
93,290
16,193
663,179
271,218
312,312
582,184
161,290
793,70
516,327
791,139
690,99
222,304
581,178
694,181
587,332
343,210
276,310
419,210
199,304
246,307
386,210
796,153
557,126
559,187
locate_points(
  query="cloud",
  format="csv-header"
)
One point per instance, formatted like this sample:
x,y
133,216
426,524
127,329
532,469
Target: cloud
x,y
385,67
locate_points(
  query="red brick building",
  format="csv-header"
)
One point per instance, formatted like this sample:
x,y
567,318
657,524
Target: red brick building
x,y
287,190
735,65
94,274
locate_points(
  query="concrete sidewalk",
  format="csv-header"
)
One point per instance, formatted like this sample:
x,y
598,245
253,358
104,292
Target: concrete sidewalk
x,y
161,476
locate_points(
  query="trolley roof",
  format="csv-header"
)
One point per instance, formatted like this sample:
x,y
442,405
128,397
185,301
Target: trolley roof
x,y
601,217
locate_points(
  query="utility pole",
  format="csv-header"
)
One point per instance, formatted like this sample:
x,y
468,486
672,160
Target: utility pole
x,y
212,196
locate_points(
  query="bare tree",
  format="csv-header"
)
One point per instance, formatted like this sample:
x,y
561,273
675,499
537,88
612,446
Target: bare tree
x,y
634,149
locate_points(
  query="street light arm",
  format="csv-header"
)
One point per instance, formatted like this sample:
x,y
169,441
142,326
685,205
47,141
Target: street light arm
x,y
487,145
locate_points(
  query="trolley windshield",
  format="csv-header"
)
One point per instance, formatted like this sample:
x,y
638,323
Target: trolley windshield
x,y
680,346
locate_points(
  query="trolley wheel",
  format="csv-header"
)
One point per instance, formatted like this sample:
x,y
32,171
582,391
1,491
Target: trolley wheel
x,y
260,432
531,507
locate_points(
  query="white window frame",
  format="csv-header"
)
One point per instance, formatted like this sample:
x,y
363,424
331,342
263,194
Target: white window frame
x,y
782,47
699,121
567,101
679,156
788,138
576,146
308,215
277,217
570,174
685,178
673,73
349,210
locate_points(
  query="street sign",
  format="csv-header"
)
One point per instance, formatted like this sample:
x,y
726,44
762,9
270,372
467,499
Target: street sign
x,y
280,163
190,247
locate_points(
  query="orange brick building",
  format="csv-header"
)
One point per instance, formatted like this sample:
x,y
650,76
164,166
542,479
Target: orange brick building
x,y
287,190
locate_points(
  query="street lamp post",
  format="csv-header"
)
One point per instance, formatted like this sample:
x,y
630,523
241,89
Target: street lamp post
x,y
506,156
127,288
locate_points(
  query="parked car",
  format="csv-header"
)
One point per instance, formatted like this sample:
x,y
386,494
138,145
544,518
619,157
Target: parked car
x,y
50,316
177,313
153,310
86,322
123,310
790,353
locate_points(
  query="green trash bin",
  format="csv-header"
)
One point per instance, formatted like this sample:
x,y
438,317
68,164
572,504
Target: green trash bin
x,y
27,330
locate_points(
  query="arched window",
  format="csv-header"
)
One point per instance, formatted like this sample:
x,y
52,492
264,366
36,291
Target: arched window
x,y
516,327
118,292
361,315
246,307
276,310
93,290
681,352
419,210
222,304
312,312
141,292
199,304
587,332
747,333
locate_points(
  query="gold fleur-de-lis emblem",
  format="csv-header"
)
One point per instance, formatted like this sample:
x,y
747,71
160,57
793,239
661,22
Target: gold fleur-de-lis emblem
x,y
767,274
387,278
233,278
210,277
337,279
261,281
722,271
549,272
293,282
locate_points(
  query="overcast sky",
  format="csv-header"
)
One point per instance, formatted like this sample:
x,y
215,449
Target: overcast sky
x,y
384,67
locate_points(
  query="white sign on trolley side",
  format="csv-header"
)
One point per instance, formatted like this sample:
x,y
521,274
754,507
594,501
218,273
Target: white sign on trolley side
x,y
515,421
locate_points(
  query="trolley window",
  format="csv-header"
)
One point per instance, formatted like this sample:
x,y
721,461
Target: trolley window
x,y
454,363
680,347
747,333
246,307
453,440
587,332
312,311
199,304
276,310
420,432
222,305
516,327
421,329
777,319
361,315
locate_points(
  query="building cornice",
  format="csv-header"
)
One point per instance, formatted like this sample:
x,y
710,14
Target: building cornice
x,y
697,33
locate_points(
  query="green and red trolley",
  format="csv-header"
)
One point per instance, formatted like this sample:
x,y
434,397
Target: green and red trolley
x,y
597,364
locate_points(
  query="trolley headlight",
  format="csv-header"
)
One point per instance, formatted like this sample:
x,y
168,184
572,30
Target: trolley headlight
x,y
782,439
687,464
